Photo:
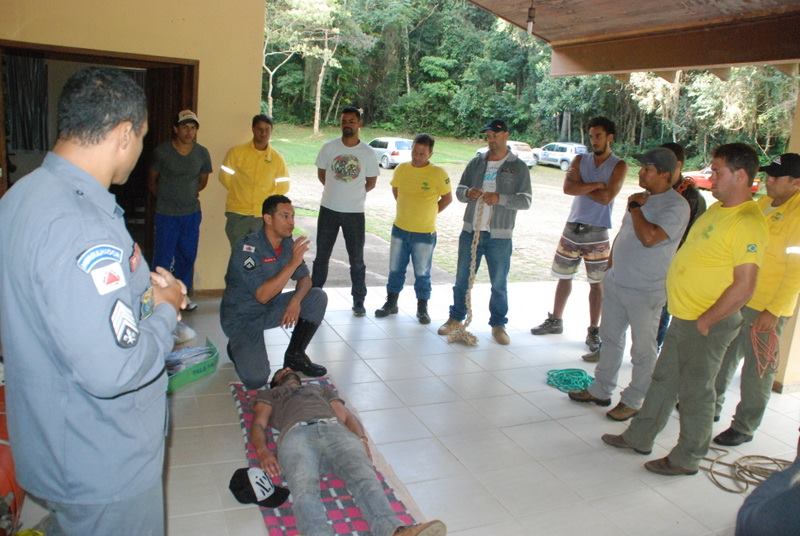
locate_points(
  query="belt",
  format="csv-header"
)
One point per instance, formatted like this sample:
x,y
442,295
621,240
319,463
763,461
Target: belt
x,y
311,422
579,228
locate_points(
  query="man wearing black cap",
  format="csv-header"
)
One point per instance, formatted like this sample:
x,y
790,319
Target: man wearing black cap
x,y
772,303
318,431
634,284
495,185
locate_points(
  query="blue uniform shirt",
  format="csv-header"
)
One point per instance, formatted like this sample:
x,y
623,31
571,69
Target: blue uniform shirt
x,y
84,351
253,261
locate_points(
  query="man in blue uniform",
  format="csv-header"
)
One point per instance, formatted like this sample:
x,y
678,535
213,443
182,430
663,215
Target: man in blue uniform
x,y
86,325
260,266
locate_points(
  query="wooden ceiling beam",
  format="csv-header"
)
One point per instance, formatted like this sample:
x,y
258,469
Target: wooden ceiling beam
x,y
772,41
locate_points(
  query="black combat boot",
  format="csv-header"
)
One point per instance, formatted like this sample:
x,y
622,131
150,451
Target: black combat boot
x,y
390,307
295,357
422,312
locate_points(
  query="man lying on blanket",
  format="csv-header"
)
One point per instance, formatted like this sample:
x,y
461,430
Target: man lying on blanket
x,y
317,431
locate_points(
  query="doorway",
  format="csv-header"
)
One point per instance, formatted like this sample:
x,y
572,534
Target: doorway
x,y
169,83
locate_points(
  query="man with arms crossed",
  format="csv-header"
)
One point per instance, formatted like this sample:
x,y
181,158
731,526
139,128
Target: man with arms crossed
x,y
348,169
594,180
710,278
86,384
422,190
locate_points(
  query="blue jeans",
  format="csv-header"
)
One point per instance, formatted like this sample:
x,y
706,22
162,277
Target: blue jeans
x,y
498,258
306,452
352,224
417,246
176,245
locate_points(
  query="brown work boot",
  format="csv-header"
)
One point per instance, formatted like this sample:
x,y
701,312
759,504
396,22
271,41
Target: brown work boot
x,y
431,528
586,396
500,335
662,466
448,327
621,412
591,357
619,442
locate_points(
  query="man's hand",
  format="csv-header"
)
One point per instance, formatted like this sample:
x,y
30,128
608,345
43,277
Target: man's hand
x,y
639,197
474,193
301,245
491,198
765,322
269,463
703,325
291,315
365,442
167,289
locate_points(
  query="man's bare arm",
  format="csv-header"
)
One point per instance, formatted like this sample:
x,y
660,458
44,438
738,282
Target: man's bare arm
x,y
649,234
732,299
203,182
351,422
275,284
445,200
152,181
606,195
321,175
573,183
258,437
371,182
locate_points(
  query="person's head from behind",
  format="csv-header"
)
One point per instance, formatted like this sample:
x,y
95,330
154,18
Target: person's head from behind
x,y
421,150
284,376
278,214
104,106
350,121
733,168
601,134
680,155
262,130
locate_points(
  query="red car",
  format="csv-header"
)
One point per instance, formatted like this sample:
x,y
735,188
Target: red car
x,y
702,179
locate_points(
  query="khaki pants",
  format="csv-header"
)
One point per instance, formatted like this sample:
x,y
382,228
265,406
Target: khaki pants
x,y
686,369
237,226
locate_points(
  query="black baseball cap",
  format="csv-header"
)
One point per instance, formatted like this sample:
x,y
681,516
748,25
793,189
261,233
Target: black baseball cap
x,y
253,486
495,125
785,164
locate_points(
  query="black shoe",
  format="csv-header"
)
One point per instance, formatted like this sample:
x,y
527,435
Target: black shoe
x,y
295,357
389,308
358,307
732,438
422,312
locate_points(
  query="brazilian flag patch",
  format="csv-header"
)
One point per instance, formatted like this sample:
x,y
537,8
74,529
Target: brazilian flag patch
x,y
752,248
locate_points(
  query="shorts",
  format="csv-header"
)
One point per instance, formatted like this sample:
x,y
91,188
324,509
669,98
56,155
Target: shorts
x,y
582,241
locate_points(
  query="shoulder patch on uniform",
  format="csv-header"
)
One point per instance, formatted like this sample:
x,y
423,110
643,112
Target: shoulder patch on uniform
x,y
108,278
123,325
249,263
97,254
752,248
248,248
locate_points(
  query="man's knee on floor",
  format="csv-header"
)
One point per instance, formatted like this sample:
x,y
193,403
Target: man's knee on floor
x,y
251,377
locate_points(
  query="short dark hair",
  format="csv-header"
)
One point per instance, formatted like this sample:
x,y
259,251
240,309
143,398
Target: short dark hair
x,y
603,122
739,156
262,118
95,100
271,203
676,148
352,110
425,139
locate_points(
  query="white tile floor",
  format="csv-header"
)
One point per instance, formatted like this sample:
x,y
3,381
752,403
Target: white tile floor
x,y
474,435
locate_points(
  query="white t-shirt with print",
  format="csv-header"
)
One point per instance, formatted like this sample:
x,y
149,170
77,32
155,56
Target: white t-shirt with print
x,y
489,185
346,171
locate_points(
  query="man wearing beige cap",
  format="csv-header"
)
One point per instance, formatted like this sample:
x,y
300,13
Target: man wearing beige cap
x,y
178,173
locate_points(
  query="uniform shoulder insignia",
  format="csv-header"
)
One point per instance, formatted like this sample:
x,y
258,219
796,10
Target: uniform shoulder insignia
x,y
248,248
123,325
93,256
249,263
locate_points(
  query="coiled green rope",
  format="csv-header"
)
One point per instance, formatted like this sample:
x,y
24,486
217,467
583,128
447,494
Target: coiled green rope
x,y
566,380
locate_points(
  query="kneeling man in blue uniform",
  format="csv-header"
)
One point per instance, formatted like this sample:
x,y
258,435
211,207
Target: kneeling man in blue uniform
x,y
260,266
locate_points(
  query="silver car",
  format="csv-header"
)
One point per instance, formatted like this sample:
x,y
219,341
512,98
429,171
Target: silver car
x,y
519,148
559,154
391,151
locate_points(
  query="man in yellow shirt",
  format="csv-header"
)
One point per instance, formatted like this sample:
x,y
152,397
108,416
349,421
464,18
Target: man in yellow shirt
x,y
422,190
772,303
251,172
709,280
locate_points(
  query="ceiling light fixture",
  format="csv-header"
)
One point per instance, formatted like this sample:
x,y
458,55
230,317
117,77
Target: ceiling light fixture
x,y
531,18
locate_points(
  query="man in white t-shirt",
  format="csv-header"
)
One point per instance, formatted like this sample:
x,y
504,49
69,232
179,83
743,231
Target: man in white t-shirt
x,y
348,169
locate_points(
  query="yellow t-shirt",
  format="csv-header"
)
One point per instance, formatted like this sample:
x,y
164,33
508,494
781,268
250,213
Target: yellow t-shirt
x,y
779,277
253,179
418,193
721,239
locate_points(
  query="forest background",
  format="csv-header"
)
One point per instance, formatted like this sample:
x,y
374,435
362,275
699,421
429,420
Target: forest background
x,y
446,66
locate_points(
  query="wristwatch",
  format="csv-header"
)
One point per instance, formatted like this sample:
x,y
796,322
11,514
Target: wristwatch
x,y
634,204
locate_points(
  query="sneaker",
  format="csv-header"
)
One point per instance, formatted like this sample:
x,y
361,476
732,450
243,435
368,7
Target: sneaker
x,y
183,333
448,327
662,466
586,396
500,335
619,442
621,412
358,308
190,305
552,325
591,357
431,528
732,438
593,338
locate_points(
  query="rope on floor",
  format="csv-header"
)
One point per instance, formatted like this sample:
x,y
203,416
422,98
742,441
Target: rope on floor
x,y
745,471
461,334
566,380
